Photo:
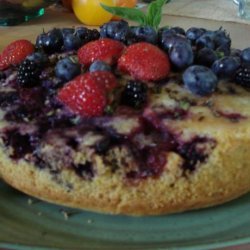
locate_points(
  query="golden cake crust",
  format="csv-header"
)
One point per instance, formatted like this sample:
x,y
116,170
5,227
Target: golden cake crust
x,y
221,120
224,177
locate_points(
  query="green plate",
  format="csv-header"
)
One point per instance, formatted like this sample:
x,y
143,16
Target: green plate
x,y
44,226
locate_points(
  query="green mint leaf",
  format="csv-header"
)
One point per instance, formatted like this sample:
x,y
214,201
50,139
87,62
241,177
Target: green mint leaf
x,y
131,14
154,13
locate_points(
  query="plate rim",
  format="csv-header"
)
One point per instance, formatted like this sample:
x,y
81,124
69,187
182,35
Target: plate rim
x,y
199,246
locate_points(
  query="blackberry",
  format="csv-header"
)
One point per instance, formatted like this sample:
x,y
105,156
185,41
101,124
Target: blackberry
x,y
28,74
134,94
242,76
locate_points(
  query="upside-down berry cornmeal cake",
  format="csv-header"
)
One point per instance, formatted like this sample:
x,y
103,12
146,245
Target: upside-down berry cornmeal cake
x,y
126,120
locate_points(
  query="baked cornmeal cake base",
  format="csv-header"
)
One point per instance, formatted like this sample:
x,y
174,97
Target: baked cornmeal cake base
x,y
222,177
138,139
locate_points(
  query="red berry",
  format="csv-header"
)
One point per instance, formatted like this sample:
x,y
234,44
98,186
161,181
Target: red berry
x,y
105,79
145,62
84,96
104,49
15,53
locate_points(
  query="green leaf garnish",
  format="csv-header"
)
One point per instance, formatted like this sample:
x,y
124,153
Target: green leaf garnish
x,y
151,18
131,14
154,13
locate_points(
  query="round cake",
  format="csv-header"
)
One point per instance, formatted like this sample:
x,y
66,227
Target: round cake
x,y
126,124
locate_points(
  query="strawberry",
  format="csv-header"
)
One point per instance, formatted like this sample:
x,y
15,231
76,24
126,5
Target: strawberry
x,y
104,49
15,53
86,94
145,62
105,79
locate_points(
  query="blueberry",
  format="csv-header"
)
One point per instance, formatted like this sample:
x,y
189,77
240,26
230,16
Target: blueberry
x,y
245,56
235,52
99,66
225,67
200,80
221,38
86,35
181,55
71,42
50,42
40,40
206,57
144,34
39,58
66,31
66,69
178,30
117,30
223,50
168,41
165,31
194,33
205,40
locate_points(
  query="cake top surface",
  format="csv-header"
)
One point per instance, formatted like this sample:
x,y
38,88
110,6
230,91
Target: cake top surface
x,y
148,90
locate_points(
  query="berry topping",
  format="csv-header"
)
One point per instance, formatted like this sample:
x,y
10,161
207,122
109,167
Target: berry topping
x,y
105,79
50,42
143,34
181,55
206,57
235,52
84,96
86,35
99,66
28,74
245,56
134,94
71,42
225,67
66,69
117,30
39,58
221,38
145,62
206,40
66,31
194,33
223,50
178,30
169,40
104,49
200,80
242,76
15,53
